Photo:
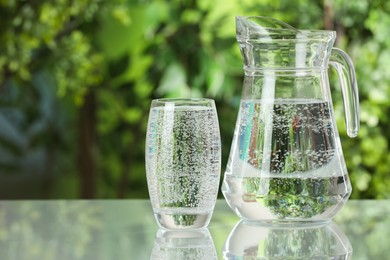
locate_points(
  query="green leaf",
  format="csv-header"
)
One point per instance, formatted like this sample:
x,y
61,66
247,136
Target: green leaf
x,y
132,115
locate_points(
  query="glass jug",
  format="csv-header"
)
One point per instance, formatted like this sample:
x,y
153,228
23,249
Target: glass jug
x,y
286,163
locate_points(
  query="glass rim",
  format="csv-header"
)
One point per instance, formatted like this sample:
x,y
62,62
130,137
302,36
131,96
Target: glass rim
x,y
183,101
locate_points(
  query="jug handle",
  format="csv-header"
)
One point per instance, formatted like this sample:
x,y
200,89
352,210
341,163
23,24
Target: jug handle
x,y
345,69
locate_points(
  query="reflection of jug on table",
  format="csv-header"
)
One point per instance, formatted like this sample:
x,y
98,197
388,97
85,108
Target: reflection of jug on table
x,y
251,241
286,162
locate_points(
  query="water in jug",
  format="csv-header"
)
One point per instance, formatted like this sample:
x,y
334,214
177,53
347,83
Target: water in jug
x,y
286,162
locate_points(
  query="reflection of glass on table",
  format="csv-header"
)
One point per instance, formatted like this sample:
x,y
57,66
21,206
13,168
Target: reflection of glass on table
x,y
186,245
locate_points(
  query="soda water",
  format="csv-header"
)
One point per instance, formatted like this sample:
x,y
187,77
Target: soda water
x,y
285,163
183,164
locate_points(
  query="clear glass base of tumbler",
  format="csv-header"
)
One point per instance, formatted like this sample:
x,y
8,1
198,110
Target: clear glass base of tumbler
x,y
169,220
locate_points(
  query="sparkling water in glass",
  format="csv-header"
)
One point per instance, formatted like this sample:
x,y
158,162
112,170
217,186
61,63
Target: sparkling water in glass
x,y
183,161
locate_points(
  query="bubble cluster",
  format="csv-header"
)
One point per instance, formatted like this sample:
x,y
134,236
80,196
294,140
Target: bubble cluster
x,y
183,157
286,136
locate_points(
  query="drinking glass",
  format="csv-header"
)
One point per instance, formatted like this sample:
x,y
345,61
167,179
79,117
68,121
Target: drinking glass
x,y
183,161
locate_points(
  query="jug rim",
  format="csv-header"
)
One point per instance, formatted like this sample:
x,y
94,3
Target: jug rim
x,y
283,33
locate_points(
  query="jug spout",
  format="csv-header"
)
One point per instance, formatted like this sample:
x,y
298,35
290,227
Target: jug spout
x,y
266,42
253,26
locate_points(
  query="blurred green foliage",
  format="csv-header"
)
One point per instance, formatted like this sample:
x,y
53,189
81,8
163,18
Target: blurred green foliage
x,y
77,78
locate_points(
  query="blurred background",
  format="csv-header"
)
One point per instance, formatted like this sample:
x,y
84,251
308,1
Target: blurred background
x,y
77,79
